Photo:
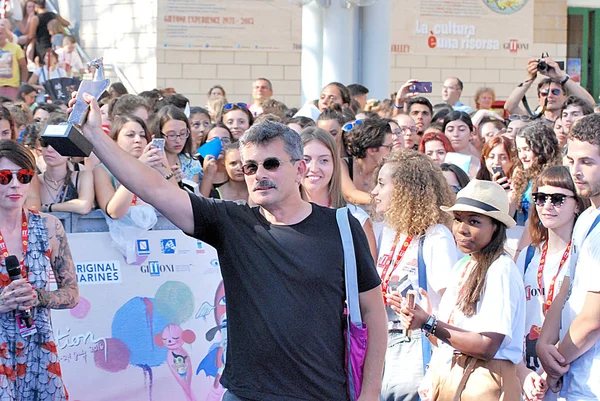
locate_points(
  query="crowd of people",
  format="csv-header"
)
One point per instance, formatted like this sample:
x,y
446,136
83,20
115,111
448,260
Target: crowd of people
x,y
483,215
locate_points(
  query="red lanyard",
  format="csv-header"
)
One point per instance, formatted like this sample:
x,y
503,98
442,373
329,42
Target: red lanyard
x,y
540,275
385,277
134,200
24,241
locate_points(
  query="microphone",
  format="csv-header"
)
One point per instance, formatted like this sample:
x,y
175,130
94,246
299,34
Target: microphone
x,y
13,268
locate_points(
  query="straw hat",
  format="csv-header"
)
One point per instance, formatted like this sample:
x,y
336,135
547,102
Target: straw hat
x,y
483,197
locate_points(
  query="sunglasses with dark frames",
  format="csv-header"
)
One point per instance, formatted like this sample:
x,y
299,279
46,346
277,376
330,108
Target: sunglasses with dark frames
x,y
23,175
521,117
555,92
349,126
557,200
230,106
270,164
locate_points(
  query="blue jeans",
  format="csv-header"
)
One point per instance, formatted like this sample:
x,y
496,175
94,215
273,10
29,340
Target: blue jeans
x,y
403,368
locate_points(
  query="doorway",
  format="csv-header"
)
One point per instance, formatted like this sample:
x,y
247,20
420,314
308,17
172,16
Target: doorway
x,y
583,48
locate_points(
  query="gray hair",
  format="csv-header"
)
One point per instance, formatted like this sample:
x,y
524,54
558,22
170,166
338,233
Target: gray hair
x,y
267,131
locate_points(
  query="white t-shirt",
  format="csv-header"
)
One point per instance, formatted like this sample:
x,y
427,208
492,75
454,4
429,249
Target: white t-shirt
x,y
43,75
72,59
501,308
439,255
582,382
535,297
358,214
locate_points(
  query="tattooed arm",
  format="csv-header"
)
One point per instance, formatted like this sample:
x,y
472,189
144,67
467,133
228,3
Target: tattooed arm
x,y
67,294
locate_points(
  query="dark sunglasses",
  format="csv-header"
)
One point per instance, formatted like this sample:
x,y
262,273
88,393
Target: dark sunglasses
x,y
350,126
521,117
230,106
23,175
554,91
270,164
557,200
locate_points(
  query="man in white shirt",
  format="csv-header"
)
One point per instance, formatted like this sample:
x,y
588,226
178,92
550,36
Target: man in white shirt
x,y
451,92
577,325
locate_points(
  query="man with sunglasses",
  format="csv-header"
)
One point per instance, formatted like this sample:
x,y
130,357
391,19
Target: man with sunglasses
x,y
282,266
573,320
552,90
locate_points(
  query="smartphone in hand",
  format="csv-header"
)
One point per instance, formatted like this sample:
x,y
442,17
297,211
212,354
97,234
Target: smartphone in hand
x,y
159,143
421,87
498,169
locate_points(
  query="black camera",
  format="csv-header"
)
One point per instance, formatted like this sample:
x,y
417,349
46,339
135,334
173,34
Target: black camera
x,y
544,67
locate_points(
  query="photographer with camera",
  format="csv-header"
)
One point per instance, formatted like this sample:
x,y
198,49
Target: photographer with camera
x,y
552,91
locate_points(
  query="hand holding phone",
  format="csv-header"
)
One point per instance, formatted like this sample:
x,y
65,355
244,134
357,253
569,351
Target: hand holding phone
x,y
410,304
421,87
498,169
159,143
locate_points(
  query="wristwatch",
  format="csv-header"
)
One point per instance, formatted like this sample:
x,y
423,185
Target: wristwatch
x,y
564,81
430,324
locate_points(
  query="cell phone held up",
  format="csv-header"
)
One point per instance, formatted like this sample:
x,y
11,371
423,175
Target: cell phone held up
x,y
498,169
159,143
421,87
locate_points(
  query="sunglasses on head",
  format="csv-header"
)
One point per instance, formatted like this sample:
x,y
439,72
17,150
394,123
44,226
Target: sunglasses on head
x,y
557,200
270,164
521,117
554,91
350,126
23,175
230,106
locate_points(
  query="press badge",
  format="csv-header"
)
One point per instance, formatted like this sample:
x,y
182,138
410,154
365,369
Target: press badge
x,y
23,329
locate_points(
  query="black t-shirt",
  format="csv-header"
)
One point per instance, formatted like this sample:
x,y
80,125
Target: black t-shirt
x,y
285,299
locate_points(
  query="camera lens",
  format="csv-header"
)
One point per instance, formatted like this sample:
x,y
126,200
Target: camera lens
x,y
542,66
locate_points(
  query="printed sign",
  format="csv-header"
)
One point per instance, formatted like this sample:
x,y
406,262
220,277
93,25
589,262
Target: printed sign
x,y
145,332
468,27
229,25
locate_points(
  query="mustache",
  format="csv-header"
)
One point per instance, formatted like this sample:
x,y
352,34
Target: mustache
x,y
264,184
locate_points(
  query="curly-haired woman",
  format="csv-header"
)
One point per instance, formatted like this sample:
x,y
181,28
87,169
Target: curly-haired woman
x,y
538,149
416,249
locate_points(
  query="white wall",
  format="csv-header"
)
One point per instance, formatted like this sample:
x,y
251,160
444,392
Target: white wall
x,y
124,33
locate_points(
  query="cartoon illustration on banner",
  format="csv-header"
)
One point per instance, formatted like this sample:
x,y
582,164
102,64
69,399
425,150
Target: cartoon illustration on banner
x,y
140,326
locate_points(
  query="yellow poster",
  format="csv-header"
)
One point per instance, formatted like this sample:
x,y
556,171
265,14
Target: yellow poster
x,y
462,27
229,25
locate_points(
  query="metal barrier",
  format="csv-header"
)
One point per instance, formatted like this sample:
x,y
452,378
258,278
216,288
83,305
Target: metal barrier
x,y
95,221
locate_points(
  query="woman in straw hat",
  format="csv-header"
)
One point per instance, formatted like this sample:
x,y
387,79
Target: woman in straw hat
x,y
481,320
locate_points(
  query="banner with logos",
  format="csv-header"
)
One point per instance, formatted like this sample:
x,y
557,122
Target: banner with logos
x,y
229,25
462,28
153,330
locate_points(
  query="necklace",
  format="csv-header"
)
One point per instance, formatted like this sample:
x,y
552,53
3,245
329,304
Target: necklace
x,y
54,184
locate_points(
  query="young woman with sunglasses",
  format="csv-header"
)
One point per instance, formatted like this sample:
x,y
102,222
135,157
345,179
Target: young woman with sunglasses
x,y
171,124
410,190
368,141
546,261
322,183
237,118
40,245
215,173
537,148
61,188
480,326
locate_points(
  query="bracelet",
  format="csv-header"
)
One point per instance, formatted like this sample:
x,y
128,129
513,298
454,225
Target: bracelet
x,y
564,81
398,107
169,176
50,207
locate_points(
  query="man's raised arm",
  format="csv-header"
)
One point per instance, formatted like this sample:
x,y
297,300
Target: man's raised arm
x,y
142,180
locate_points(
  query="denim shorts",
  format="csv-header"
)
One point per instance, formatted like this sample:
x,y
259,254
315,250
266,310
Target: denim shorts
x,y
403,369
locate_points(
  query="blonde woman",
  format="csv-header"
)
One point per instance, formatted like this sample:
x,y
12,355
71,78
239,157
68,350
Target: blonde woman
x,y
416,249
322,183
